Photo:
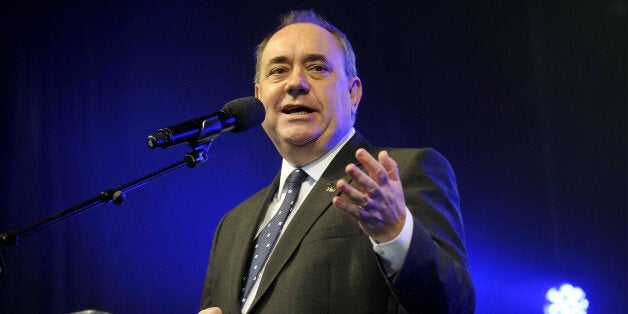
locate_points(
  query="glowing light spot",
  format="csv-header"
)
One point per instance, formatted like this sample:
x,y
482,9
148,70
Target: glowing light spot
x,y
566,299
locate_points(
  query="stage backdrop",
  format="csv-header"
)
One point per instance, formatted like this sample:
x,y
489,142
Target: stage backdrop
x,y
527,101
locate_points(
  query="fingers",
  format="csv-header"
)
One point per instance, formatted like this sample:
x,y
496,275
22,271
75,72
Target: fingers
x,y
371,185
357,197
380,172
368,185
390,165
348,208
377,203
375,169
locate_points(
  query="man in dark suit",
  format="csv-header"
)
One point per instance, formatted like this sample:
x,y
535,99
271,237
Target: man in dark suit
x,y
364,234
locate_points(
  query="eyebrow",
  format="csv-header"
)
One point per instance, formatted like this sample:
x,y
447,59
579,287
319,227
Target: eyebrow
x,y
278,59
315,57
308,58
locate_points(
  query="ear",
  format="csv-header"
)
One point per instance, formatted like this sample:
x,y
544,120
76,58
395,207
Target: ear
x,y
256,90
355,92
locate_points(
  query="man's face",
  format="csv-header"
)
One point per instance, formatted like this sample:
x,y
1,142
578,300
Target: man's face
x,y
309,101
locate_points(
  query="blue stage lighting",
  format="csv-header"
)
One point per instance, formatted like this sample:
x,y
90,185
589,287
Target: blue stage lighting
x,y
566,299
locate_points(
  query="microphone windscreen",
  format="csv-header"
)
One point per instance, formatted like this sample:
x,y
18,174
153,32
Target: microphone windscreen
x,y
248,112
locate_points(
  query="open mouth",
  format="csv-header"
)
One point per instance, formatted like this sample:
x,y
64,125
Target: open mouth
x,y
297,110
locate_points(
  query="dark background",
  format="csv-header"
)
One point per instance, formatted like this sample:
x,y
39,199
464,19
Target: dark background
x,y
527,101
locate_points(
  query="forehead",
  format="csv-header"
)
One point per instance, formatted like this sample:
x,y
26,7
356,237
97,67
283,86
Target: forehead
x,y
299,39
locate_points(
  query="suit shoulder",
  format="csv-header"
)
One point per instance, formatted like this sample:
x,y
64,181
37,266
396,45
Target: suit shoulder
x,y
251,202
427,156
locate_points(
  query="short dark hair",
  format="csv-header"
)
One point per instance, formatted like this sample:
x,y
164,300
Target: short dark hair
x,y
309,16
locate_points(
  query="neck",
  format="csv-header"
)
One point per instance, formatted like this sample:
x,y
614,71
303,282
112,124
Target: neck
x,y
301,155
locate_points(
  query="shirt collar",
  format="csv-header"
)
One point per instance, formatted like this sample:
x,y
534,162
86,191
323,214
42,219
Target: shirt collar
x,y
316,168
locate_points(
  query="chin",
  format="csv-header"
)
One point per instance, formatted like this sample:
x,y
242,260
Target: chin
x,y
298,141
299,138
299,135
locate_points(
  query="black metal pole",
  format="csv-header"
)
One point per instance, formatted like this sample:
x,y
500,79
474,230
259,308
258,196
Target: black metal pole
x,y
117,195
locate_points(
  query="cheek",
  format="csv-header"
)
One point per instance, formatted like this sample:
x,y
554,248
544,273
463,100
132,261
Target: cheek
x,y
270,118
341,116
269,103
267,94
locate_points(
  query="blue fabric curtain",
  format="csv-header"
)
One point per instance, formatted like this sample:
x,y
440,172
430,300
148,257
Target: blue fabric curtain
x,y
527,101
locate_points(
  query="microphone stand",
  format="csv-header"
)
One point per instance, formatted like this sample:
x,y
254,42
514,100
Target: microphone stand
x,y
116,195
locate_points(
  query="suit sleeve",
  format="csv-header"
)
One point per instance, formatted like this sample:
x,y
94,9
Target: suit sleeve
x,y
434,277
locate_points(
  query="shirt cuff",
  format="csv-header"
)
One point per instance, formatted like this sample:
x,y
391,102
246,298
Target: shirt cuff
x,y
393,253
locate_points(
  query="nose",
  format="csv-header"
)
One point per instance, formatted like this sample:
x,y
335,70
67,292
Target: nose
x,y
297,83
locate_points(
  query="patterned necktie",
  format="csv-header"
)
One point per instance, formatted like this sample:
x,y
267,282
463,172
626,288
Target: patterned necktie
x,y
265,241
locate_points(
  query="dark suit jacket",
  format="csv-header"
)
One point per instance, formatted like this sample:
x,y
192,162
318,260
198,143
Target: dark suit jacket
x,y
324,263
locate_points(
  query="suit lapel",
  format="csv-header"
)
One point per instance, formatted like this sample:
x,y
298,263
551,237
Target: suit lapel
x,y
243,239
315,204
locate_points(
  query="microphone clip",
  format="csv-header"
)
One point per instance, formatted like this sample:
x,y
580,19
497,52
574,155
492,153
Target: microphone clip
x,y
198,155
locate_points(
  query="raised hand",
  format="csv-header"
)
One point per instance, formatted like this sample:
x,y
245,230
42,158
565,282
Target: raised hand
x,y
378,205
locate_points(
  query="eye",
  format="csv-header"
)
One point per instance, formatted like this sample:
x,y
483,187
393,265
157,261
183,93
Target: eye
x,y
319,68
278,71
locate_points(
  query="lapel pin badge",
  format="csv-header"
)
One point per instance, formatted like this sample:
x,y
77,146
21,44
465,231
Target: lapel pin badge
x,y
331,187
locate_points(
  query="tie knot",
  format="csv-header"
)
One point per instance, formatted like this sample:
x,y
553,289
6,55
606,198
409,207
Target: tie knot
x,y
296,177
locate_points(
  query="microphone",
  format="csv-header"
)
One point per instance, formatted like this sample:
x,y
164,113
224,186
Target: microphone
x,y
237,115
